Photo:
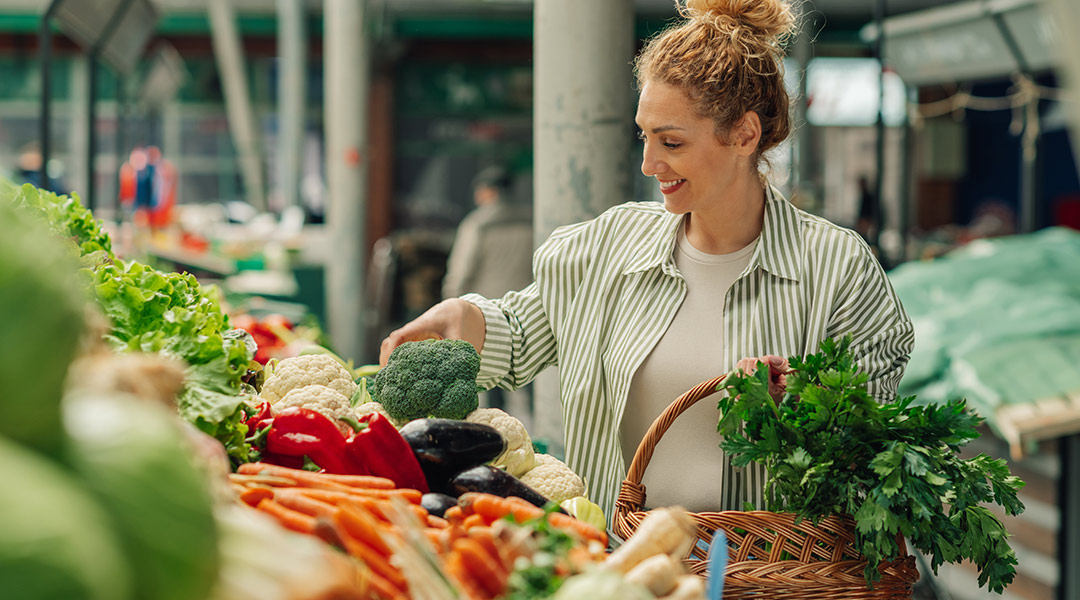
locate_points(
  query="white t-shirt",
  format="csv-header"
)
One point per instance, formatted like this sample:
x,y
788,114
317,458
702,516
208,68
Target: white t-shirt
x,y
687,466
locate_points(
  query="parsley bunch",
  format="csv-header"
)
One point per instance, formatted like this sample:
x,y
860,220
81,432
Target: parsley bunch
x,y
830,448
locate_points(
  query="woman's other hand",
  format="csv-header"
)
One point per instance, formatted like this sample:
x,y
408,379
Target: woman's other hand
x,y
453,319
778,370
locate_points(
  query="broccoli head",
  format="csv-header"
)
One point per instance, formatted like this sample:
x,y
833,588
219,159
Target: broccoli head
x,y
431,378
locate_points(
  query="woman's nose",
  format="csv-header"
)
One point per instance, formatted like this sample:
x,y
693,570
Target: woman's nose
x,y
650,165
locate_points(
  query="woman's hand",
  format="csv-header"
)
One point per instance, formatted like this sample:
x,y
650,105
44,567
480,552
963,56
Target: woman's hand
x,y
453,318
778,370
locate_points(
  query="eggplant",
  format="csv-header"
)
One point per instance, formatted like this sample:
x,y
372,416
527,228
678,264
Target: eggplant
x,y
489,480
445,447
436,503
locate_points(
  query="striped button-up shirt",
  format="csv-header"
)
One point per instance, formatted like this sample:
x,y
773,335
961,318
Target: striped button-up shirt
x,y
605,291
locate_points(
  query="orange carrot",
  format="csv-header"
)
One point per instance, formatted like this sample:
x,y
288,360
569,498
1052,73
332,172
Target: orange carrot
x,y
380,508
523,510
485,568
486,538
358,522
454,514
302,478
437,522
289,518
293,498
377,562
456,569
361,481
581,528
253,495
383,588
474,520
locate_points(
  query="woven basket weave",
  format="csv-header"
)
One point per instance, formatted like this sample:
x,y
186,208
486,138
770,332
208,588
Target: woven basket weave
x,y
760,544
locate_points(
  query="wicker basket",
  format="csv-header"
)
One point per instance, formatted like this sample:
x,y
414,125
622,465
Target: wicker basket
x,y
827,566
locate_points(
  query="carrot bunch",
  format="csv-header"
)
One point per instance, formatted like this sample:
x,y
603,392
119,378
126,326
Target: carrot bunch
x,y
477,544
347,511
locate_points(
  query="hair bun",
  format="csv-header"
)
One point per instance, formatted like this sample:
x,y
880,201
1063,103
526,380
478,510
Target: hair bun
x,y
772,18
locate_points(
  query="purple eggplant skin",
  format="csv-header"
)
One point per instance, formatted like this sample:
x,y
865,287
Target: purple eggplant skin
x,y
436,503
445,447
489,480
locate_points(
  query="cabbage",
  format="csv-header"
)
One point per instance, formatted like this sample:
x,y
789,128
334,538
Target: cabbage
x,y
41,306
582,509
135,457
56,540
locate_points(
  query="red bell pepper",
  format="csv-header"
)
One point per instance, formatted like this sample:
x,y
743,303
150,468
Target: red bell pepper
x,y
299,432
261,418
381,450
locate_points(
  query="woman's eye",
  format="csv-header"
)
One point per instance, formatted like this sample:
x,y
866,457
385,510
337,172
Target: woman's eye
x,y
671,145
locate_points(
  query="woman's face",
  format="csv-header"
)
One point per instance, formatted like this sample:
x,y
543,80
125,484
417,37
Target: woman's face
x,y
692,165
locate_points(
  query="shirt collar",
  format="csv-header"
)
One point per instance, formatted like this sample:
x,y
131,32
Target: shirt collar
x,y
777,252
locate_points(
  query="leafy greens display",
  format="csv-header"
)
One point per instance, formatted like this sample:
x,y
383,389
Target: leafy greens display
x,y
154,311
830,448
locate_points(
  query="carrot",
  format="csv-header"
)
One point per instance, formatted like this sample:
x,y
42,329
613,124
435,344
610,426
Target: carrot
x,y
474,520
380,507
289,518
301,478
361,481
454,514
254,495
523,510
378,563
435,537
485,568
581,528
486,538
456,569
294,499
383,588
434,522
358,522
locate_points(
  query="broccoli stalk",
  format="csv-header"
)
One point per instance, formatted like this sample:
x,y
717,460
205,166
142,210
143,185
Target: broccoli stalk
x,y
431,378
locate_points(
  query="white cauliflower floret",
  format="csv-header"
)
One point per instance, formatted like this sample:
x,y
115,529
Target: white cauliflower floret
x,y
299,371
517,459
553,479
328,401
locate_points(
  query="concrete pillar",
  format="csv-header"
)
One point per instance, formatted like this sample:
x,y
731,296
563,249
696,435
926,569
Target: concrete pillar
x,y
347,83
1066,13
78,177
292,96
229,54
801,175
583,128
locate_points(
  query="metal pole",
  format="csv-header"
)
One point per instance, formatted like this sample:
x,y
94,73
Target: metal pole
x,y
880,10
1068,506
347,89
45,51
583,115
89,195
292,80
229,54
801,174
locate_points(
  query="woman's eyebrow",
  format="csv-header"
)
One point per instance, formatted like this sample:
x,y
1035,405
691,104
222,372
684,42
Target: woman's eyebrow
x,y
664,128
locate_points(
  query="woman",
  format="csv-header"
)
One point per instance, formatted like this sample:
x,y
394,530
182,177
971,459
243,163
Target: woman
x,y
645,301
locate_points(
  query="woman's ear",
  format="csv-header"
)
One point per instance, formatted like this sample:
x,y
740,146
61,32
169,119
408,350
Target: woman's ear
x,y
746,134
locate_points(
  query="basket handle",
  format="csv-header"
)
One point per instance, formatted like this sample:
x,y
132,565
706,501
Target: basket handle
x,y
659,427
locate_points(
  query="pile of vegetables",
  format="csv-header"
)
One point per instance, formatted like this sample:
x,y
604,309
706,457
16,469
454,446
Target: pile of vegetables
x,y
153,311
830,448
105,501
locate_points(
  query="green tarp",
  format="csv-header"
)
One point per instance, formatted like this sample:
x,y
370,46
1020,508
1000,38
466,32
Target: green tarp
x,y
996,321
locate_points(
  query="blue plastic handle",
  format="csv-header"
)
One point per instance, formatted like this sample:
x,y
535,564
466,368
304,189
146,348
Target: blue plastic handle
x,y
718,557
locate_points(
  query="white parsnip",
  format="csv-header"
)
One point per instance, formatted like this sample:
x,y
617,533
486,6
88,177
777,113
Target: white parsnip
x,y
664,531
688,587
659,573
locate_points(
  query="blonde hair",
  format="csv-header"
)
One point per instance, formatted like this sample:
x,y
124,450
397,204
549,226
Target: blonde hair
x,y
727,56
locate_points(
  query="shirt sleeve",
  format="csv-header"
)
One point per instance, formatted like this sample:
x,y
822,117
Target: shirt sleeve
x,y
883,336
521,328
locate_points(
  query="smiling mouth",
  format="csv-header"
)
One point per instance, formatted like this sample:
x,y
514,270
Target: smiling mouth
x,y
670,186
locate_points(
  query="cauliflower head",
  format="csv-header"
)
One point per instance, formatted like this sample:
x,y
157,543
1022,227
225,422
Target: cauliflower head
x,y
300,371
552,478
325,400
518,457
431,378
371,407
